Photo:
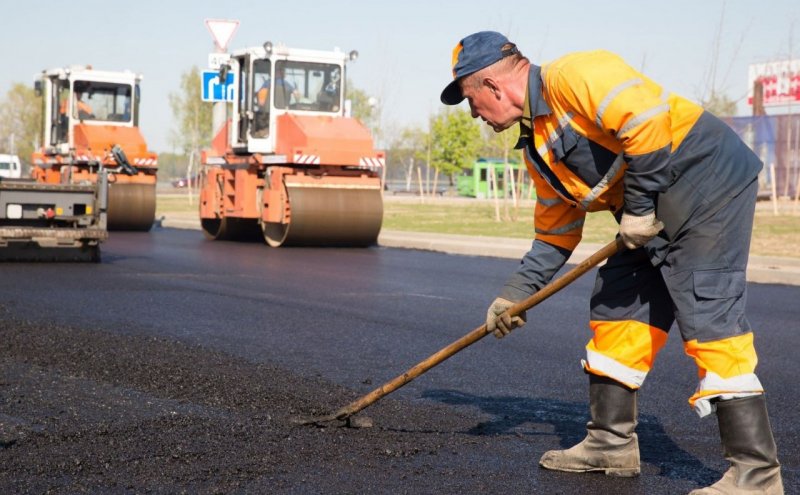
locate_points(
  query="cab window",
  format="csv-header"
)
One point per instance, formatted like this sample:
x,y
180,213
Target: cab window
x,y
307,86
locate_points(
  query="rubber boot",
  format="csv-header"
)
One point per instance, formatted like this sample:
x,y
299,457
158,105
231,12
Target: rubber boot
x,y
748,444
610,445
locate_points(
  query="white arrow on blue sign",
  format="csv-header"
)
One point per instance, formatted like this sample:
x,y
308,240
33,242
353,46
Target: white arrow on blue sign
x,y
213,90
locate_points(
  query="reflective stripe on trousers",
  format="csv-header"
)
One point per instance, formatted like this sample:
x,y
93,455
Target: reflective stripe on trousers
x,y
726,369
623,350
626,351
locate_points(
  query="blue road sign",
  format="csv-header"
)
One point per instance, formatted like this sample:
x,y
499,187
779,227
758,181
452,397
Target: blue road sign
x,y
213,90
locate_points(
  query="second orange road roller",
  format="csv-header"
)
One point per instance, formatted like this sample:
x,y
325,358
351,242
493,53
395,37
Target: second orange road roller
x,y
91,121
290,164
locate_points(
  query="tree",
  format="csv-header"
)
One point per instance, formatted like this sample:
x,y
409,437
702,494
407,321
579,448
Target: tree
x,y
364,108
719,104
171,164
406,151
193,117
20,121
455,140
500,144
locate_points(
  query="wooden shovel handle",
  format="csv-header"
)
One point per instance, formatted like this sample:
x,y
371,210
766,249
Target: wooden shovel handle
x,y
548,290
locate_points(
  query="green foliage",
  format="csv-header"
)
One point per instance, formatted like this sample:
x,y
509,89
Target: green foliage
x,y
172,165
720,105
364,107
500,145
20,117
455,141
409,149
193,116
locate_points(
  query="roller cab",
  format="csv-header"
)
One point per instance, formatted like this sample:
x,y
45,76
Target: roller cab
x,y
290,166
91,121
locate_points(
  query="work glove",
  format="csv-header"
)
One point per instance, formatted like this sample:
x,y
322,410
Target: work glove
x,y
638,231
501,323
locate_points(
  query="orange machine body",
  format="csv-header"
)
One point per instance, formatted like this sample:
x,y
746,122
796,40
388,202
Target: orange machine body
x,y
92,147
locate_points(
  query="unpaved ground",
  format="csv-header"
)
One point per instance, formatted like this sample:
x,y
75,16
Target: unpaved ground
x,y
96,412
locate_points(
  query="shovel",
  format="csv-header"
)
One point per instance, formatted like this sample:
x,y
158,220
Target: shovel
x,y
548,290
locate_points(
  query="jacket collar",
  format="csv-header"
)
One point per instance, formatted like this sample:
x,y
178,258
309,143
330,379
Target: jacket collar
x,y
535,106
538,107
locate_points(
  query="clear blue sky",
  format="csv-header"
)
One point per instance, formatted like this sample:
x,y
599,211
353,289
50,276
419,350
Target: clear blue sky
x,y
404,46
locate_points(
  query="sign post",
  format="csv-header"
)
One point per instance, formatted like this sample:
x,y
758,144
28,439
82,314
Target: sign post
x,y
222,31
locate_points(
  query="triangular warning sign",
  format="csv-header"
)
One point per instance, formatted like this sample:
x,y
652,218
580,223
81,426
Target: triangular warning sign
x,y
222,31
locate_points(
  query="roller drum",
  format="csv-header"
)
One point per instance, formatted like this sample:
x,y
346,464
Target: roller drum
x,y
329,215
131,206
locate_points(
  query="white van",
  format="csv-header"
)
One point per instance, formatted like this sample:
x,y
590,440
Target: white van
x,y
10,166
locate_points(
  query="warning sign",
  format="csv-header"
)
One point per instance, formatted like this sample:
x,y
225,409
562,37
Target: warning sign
x,y
222,30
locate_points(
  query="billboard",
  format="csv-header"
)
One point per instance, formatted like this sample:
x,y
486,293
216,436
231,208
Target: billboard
x,y
780,81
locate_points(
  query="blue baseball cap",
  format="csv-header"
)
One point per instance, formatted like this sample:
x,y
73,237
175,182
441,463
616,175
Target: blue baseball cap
x,y
472,54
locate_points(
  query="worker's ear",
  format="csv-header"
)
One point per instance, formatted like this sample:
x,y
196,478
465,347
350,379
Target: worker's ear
x,y
492,86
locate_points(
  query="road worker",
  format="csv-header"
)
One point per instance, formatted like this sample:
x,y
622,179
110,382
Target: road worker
x,y
80,109
598,135
262,95
261,108
286,92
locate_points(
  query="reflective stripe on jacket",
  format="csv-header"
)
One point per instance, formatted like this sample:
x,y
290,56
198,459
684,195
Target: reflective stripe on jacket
x,y
603,142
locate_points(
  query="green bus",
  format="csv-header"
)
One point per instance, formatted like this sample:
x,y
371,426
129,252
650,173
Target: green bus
x,y
474,182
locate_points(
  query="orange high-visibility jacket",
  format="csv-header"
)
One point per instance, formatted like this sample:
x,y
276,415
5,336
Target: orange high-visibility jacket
x,y
610,129
605,137
81,108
